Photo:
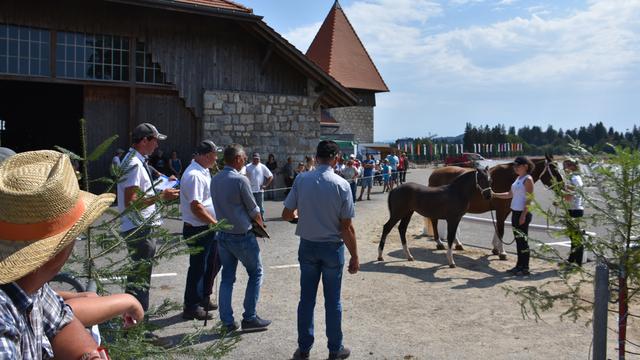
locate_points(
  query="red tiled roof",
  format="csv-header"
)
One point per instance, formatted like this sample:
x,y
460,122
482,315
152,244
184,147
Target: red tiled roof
x,y
222,4
338,50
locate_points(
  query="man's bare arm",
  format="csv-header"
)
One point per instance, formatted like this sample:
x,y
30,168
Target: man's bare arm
x,y
349,238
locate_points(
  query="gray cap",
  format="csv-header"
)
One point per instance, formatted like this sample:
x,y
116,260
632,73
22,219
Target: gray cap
x,y
256,155
5,153
145,130
207,146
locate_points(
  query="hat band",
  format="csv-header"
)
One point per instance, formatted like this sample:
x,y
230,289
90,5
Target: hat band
x,y
41,230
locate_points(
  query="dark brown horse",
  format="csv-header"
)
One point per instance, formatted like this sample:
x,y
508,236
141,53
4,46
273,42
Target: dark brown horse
x,y
449,202
502,176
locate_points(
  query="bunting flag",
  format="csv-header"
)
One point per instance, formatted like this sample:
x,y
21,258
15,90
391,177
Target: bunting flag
x,y
405,147
424,149
418,149
412,148
398,146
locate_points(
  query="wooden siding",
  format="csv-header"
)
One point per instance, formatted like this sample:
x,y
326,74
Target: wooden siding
x,y
196,52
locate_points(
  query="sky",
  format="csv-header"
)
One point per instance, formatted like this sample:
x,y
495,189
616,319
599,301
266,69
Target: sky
x,y
565,63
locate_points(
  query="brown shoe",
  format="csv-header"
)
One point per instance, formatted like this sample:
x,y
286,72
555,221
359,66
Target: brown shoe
x,y
196,314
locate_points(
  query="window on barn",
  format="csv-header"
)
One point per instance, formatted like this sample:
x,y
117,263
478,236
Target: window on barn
x,y
24,50
147,71
92,56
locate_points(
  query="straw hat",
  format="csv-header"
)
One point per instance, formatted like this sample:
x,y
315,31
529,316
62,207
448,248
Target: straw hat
x,y
42,210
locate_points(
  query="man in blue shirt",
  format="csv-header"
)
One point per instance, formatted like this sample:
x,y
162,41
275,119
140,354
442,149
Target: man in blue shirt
x,y
234,202
367,176
324,204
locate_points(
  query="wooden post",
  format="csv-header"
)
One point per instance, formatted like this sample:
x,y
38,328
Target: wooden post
x,y
600,309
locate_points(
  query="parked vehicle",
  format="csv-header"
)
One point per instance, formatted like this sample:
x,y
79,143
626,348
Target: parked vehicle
x,y
464,160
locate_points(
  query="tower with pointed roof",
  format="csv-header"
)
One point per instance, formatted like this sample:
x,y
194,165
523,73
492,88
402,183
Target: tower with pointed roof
x,y
337,49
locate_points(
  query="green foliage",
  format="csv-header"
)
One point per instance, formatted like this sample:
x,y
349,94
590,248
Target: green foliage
x,y
106,261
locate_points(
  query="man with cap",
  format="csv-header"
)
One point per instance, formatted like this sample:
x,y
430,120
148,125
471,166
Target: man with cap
x,y
41,215
116,161
260,178
233,201
198,213
325,205
140,219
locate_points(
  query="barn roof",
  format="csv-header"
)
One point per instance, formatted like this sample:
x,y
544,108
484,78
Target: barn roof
x,y
338,50
332,92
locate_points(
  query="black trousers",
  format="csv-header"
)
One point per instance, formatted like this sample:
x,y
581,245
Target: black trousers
x,y
521,235
577,249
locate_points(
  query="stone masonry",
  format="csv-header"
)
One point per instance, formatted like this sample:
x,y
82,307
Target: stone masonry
x,y
356,120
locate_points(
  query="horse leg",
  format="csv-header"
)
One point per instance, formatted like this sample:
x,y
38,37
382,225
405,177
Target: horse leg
x,y
459,245
428,229
402,228
386,229
436,235
452,227
498,248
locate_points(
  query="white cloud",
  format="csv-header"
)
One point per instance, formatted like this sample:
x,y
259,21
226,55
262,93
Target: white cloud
x,y
302,37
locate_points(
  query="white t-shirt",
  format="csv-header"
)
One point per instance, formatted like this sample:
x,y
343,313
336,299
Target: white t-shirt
x,y
116,161
195,184
136,175
257,175
576,201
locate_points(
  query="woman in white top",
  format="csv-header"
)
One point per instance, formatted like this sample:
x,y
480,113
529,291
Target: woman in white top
x,y
519,194
576,210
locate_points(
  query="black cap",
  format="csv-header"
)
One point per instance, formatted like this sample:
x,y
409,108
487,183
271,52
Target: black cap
x,y
145,130
327,149
521,160
207,146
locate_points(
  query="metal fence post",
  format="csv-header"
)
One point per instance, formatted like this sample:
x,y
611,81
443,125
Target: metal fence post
x,y
600,309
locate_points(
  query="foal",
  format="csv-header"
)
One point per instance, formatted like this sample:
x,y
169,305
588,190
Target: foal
x,y
447,202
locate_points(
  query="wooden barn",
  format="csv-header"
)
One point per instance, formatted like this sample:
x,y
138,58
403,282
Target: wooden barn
x,y
195,68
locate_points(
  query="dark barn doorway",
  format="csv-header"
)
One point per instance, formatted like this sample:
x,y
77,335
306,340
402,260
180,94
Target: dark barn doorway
x,y
37,116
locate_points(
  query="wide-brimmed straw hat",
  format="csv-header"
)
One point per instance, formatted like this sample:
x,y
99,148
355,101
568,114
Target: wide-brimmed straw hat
x,y
42,210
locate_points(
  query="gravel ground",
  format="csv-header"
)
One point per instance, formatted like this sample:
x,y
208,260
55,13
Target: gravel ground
x,y
397,309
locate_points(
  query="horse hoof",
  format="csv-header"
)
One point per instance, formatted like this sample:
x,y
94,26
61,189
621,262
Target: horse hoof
x,y
459,247
495,252
452,266
380,258
440,247
410,258
503,257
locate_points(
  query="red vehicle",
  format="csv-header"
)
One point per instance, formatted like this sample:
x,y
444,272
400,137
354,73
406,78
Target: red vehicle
x,y
463,160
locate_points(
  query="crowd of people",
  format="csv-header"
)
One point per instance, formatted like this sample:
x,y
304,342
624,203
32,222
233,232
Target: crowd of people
x,y
320,198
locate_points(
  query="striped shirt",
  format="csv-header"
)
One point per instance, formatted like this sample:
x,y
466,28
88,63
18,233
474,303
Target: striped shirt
x,y
28,323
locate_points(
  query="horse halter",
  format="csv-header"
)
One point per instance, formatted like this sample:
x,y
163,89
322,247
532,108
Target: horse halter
x,y
547,168
482,190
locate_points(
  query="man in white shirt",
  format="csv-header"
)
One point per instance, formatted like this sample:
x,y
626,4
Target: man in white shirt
x,y
198,213
260,178
138,222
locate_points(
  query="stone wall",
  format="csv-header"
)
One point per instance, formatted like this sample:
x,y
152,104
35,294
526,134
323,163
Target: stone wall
x,y
356,120
278,124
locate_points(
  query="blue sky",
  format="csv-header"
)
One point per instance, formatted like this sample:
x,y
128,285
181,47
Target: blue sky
x,y
487,62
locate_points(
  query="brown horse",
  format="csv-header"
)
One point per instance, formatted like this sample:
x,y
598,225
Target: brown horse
x,y
502,176
449,202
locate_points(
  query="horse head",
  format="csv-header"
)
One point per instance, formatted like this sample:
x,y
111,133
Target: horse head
x,y
550,175
483,181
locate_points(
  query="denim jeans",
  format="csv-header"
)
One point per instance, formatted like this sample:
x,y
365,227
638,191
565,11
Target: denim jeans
x,y
326,260
204,264
244,248
142,248
521,235
354,188
259,196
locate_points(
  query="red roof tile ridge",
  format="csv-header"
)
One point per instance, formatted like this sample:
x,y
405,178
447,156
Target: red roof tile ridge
x,y
361,44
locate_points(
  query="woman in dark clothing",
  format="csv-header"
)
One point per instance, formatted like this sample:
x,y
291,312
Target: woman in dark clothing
x,y
272,165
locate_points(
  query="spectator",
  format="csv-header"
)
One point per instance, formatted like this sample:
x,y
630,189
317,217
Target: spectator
x,y
116,161
299,170
367,178
386,176
138,225
351,175
42,216
272,165
289,174
175,164
325,227
403,165
309,164
198,214
260,178
576,210
233,201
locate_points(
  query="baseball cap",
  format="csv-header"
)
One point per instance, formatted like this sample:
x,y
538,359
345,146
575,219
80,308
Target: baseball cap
x,y
327,149
207,146
256,155
520,160
145,130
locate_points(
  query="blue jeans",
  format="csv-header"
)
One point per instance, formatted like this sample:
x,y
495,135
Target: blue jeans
x,y
204,265
231,248
259,196
354,188
318,259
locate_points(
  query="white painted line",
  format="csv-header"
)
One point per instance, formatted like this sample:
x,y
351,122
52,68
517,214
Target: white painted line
x,y
284,266
531,226
559,243
152,275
